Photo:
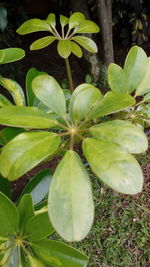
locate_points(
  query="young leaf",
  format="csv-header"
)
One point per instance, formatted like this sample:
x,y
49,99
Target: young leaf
x,y
71,208
11,55
38,186
86,42
111,103
9,133
5,187
83,101
51,20
117,79
57,254
42,42
9,216
38,227
76,50
145,83
31,74
14,89
114,166
64,48
33,25
75,19
63,20
35,262
123,133
50,93
135,67
26,210
87,26
26,117
4,101
26,151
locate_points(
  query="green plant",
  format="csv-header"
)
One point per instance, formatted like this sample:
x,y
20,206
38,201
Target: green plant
x,y
23,238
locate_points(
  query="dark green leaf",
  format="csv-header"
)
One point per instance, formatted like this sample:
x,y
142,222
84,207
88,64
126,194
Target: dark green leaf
x,y
5,187
26,210
3,17
9,133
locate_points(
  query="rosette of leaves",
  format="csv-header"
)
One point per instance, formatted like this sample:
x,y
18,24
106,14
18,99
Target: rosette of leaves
x,y
51,128
133,78
69,39
23,238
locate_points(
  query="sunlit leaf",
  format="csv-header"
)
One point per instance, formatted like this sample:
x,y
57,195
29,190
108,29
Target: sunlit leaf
x,y
75,19
11,54
51,20
145,83
26,210
76,50
42,42
87,26
117,79
4,101
86,42
33,25
63,20
64,48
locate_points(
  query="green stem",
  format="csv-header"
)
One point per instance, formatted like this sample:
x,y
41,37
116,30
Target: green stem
x,y
71,141
69,74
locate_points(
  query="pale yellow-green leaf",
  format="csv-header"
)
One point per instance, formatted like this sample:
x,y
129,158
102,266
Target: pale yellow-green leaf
x,y
42,42
86,42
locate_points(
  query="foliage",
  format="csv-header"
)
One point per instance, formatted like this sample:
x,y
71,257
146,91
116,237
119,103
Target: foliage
x,y
3,18
23,238
107,146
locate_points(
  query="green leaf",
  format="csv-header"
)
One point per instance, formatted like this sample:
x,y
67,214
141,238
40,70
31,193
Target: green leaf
x,y
38,186
9,133
26,117
51,20
26,151
87,26
76,50
64,48
57,254
14,89
135,67
1,55
50,93
12,54
114,166
111,103
86,42
146,98
75,19
35,262
5,187
145,83
26,210
4,101
71,208
9,216
31,74
117,79
82,100
42,42
63,20
123,133
3,18
38,227
33,25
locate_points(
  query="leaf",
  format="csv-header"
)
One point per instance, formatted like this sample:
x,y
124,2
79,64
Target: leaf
x,y
3,18
9,216
87,26
42,42
26,117
38,227
26,210
5,187
83,100
145,83
117,79
33,25
14,89
63,20
12,54
146,98
35,262
123,133
76,50
31,74
4,101
1,55
136,65
38,186
50,93
64,48
9,133
57,254
75,19
26,151
70,207
86,42
111,103
113,165
51,20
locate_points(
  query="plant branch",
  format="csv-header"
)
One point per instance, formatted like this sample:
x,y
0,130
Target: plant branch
x,y
69,74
